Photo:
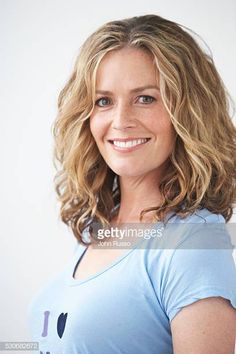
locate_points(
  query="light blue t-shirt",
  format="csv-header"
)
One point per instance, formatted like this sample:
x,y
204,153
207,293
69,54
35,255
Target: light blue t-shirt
x,y
127,307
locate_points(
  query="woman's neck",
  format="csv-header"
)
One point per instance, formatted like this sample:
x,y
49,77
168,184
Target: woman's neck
x,y
137,193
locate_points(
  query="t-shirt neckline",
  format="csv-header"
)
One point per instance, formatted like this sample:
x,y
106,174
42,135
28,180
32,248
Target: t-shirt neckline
x,y
81,251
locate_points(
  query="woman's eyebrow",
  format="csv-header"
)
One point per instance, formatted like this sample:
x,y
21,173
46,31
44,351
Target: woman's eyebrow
x,y
137,89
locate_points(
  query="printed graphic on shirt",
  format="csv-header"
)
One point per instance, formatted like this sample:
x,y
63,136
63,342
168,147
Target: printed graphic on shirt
x,y
61,325
45,325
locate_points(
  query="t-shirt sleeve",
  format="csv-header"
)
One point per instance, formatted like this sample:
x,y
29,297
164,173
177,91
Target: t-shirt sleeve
x,y
196,273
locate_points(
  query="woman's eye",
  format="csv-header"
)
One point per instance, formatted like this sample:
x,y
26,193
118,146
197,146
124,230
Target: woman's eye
x,y
102,100
147,99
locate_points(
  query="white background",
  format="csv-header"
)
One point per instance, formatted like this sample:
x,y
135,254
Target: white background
x,y
39,43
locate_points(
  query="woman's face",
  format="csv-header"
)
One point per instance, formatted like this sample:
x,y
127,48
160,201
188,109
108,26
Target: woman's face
x,y
129,123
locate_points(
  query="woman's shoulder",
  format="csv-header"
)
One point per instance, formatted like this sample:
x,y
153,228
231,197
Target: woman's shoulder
x,y
200,215
201,229
202,234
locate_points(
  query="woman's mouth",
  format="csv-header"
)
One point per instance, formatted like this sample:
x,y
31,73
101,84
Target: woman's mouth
x,y
127,145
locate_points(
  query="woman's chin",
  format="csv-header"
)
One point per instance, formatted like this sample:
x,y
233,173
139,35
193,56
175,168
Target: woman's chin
x,y
128,171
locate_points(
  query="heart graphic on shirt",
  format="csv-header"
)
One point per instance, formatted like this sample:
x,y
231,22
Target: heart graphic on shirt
x,y
61,323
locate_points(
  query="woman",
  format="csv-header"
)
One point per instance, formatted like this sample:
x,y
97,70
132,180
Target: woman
x,y
143,134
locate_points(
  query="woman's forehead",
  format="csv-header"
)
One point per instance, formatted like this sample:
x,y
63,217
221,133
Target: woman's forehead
x,y
130,66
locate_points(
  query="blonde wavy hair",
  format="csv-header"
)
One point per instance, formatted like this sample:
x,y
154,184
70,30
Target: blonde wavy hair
x,y
201,170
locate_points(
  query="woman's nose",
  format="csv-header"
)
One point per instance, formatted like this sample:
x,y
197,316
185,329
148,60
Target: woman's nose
x,y
123,117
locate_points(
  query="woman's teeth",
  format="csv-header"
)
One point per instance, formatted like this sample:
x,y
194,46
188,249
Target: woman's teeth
x,y
129,143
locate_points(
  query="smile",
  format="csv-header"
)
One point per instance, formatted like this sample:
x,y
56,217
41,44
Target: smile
x,y
128,145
